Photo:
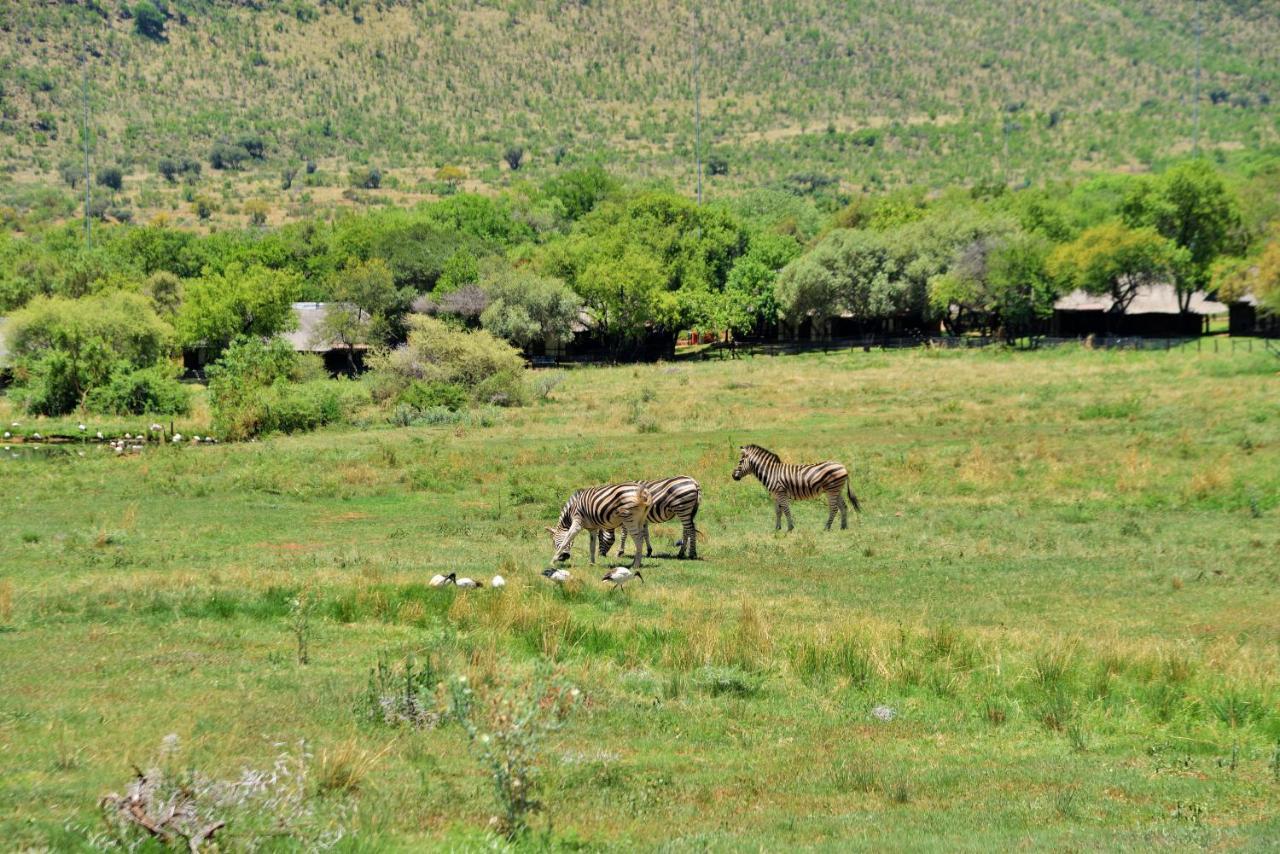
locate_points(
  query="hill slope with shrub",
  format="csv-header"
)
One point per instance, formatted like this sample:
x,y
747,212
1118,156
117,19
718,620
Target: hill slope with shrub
x,y
415,99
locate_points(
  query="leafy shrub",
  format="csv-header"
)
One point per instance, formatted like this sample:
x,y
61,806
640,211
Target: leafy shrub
x,y
298,407
505,388
62,348
135,391
148,20
111,177
425,395
439,353
514,157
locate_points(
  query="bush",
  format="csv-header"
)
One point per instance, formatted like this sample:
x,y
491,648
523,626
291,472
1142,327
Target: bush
x,y
111,177
225,155
514,157
423,395
298,407
368,179
137,391
439,353
506,388
62,348
148,20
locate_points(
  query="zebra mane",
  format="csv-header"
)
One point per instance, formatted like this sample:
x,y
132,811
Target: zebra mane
x,y
762,453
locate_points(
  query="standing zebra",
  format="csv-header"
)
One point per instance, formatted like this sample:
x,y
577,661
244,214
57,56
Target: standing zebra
x,y
601,508
786,482
670,497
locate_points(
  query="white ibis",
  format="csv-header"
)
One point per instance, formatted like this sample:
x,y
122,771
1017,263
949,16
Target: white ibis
x,y
559,576
498,581
620,575
441,580
468,583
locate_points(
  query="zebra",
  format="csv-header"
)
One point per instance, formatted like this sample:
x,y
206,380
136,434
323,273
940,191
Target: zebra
x,y
671,497
600,508
787,481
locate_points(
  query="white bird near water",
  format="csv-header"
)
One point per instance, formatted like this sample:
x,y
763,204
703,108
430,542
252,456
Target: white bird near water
x,y
620,575
559,576
468,583
441,580
498,581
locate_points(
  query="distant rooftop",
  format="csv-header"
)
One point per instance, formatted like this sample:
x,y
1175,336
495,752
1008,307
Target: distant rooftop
x,y
1150,299
308,338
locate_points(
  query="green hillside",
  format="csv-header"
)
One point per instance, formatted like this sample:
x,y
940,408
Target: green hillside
x,y
867,94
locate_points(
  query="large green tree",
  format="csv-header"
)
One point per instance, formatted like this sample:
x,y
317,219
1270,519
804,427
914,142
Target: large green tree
x,y
254,301
1191,206
526,308
64,348
1116,260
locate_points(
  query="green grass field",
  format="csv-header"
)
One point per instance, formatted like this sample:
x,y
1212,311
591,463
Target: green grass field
x,y
1064,586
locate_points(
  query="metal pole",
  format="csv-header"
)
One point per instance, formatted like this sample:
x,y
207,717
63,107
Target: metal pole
x,y
697,106
1195,133
88,233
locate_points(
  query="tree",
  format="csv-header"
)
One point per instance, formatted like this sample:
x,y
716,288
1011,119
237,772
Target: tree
x,y
750,289
111,177
529,309
149,21
451,175
71,172
364,299
225,155
169,168
257,209
996,282
717,164
254,146
580,190
1191,206
367,179
461,269
286,177
514,157
853,271
64,348
254,301
1117,261
164,289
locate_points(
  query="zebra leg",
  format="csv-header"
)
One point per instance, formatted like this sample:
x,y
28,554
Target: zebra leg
x,y
592,535
648,544
622,540
832,499
637,536
786,508
777,514
844,512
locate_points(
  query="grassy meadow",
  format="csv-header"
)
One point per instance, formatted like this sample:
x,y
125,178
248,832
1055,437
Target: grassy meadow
x,y
1056,624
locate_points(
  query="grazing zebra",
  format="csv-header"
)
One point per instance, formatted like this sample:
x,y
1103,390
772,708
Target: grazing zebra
x,y
601,508
787,482
670,497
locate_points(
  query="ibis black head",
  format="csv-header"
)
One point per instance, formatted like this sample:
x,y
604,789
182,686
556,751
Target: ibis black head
x,y
453,576
549,571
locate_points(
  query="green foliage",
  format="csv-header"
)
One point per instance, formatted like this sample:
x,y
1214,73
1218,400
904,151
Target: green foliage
x,y
254,301
650,257
460,270
526,309
428,395
1191,206
1116,260
111,177
148,20
439,353
580,190
62,349
137,391
253,390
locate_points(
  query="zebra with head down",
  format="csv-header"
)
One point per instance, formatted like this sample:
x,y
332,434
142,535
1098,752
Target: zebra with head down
x,y
601,508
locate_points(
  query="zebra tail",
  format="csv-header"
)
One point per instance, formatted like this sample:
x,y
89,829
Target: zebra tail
x,y
853,499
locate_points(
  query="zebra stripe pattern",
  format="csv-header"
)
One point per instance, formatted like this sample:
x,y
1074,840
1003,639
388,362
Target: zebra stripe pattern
x,y
670,497
788,482
601,508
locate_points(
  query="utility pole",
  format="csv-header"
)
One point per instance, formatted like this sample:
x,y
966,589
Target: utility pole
x,y
84,131
697,105
1195,104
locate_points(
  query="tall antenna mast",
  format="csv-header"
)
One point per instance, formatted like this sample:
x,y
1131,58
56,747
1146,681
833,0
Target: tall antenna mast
x,y
84,131
697,105
1195,105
